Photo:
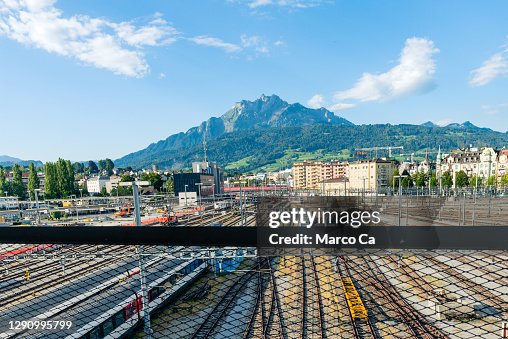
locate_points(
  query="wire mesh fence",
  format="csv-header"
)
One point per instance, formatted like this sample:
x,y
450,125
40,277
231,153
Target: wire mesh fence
x,y
99,291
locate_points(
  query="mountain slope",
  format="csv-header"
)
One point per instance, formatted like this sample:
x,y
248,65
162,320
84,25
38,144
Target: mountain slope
x,y
265,112
6,160
256,148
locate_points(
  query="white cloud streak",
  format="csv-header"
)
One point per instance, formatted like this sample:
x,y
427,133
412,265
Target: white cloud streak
x,y
247,43
413,73
93,41
285,3
216,42
340,107
494,67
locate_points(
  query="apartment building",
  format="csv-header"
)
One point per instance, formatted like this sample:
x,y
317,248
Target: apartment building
x,y
502,163
473,161
94,185
311,174
371,174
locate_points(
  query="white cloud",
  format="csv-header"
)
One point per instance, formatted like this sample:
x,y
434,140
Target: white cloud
x,y
317,101
255,42
155,34
285,3
414,73
247,44
494,109
94,41
162,76
494,67
215,42
340,107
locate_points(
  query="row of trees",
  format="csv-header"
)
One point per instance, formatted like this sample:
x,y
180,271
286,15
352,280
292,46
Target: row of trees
x,y
15,186
421,179
101,167
59,179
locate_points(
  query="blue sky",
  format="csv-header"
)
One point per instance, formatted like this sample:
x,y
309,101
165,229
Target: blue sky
x,y
94,79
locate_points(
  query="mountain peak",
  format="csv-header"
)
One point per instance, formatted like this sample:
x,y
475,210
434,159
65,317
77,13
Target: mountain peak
x,y
265,112
429,124
272,111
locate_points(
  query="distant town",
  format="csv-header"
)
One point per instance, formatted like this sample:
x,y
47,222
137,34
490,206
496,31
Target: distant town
x,y
456,169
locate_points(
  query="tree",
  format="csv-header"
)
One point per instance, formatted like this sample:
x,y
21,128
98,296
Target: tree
x,y
92,167
78,167
491,181
504,180
473,181
108,166
126,178
406,180
104,192
50,180
461,179
433,180
4,184
170,185
63,177
33,180
154,178
446,179
419,179
394,181
17,186
102,165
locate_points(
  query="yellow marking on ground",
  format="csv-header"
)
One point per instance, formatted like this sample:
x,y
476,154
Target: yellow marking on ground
x,y
354,302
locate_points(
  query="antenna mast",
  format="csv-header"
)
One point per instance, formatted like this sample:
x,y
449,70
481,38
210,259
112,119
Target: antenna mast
x,y
204,139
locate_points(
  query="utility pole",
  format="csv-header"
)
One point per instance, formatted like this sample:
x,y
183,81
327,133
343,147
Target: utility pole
x,y
142,274
400,194
38,218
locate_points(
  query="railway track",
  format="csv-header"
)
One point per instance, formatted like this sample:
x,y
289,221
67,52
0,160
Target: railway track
x,y
321,330
42,286
417,325
19,267
212,320
482,294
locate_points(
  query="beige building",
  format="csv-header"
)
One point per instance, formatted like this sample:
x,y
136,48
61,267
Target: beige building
x,y
371,174
502,163
311,174
473,161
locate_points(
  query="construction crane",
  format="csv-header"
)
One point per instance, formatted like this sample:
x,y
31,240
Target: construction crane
x,y
412,155
389,148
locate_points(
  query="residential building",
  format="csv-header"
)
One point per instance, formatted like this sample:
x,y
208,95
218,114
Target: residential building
x,y
94,185
502,163
310,174
112,183
473,161
371,174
